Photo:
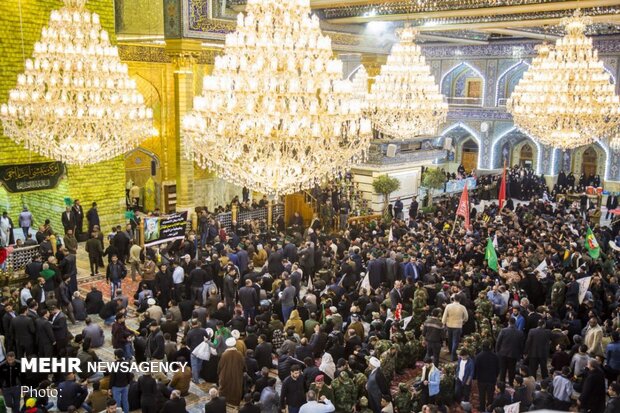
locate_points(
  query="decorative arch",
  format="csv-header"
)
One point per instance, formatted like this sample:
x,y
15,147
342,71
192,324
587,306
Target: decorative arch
x,y
452,83
462,134
602,155
353,72
515,133
612,78
508,79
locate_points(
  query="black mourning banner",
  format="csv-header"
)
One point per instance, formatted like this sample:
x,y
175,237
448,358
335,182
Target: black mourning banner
x,y
31,177
158,230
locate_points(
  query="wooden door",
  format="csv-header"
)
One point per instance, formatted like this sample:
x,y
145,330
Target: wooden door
x,y
470,161
590,162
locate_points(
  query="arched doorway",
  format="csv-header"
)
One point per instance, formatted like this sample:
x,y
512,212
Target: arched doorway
x,y
526,156
589,165
469,155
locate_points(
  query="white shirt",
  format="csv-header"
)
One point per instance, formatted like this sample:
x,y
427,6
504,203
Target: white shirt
x,y
462,365
24,295
316,407
178,276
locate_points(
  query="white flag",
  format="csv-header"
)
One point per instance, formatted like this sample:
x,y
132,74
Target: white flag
x,y
310,284
512,408
365,283
406,321
584,284
391,235
495,244
542,269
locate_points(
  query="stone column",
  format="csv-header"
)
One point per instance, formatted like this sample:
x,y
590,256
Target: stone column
x,y
183,53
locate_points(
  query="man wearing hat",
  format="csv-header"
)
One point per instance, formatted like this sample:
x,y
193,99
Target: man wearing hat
x,y
377,386
230,373
321,389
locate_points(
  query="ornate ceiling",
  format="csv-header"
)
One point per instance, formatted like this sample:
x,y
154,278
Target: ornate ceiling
x,y
464,21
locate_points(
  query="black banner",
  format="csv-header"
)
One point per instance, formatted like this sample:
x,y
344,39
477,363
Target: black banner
x,y
158,230
31,177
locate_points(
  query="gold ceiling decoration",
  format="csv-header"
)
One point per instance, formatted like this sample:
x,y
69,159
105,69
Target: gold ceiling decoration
x,y
404,100
75,101
275,115
566,99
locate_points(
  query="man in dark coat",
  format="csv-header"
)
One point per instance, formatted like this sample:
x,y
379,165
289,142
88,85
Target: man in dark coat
x,y
486,370
61,333
375,272
93,217
94,301
509,348
537,349
377,386
23,331
264,352
592,398
45,335
68,219
78,213
216,404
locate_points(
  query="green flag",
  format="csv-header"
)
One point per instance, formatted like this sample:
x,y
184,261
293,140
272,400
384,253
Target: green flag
x,y
490,255
591,244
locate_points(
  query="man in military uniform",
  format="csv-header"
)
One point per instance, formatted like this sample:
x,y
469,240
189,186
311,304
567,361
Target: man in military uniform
x,y
402,400
558,291
364,405
412,349
321,389
388,361
420,308
483,305
345,392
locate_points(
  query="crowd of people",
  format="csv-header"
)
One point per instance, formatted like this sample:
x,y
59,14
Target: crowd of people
x,y
320,321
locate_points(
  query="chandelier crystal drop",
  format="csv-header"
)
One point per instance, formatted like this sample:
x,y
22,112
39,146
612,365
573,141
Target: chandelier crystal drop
x,y
75,101
566,99
275,116
360,86
404,100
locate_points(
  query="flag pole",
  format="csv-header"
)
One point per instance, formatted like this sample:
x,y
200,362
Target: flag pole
x,y
456,217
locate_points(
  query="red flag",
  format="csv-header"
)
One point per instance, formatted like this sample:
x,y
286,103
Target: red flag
x,y
502,190
463,209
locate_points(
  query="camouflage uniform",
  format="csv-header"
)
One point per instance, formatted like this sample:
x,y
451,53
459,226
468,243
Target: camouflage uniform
x,y
325,391
419,309
364,405
360,380
402,400
345,392
483,306
558,291
388,362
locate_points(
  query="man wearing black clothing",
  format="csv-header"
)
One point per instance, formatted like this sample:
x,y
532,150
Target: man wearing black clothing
x,y
509,348
537,349
119,383
592,398
22,331
293,394
263,353
70,393
10,381
61,332
147,387
486,369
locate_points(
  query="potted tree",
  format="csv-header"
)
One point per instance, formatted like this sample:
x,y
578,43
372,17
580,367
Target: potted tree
x,y
431,180
385,185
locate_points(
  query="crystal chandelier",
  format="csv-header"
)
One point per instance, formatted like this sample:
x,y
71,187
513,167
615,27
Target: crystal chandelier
x,y
360,86
275,115
75,101
565,99
404,99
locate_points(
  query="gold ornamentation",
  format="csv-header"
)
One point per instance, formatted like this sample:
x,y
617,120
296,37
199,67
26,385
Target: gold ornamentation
x,y
404,100
75,102
565,99
275,115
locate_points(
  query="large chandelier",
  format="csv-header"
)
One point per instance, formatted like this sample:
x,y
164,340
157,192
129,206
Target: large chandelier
x,y
75,101
404,99
275,115
566,99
